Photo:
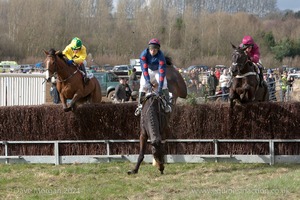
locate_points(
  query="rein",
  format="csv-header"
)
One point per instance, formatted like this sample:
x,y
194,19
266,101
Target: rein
x,y
57,69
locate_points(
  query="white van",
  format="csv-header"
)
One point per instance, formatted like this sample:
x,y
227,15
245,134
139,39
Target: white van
x,y
7,66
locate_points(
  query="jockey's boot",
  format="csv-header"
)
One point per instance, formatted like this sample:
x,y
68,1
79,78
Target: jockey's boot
x,y
167,106
85,78
140,105
261,78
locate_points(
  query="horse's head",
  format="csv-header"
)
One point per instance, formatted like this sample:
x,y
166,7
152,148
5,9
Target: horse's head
x,y
239,59
50,63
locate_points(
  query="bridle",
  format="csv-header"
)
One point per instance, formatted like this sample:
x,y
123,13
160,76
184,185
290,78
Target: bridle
x,y
57,69
238,54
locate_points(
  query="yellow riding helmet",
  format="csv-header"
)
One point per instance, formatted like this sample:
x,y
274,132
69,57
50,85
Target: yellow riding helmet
x,y
76,43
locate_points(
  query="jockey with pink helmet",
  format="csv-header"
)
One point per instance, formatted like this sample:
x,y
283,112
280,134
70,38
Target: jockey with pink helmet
x,y
252,50
153,64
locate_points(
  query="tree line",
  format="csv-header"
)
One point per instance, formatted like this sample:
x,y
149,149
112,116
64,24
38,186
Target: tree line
x,y
191,31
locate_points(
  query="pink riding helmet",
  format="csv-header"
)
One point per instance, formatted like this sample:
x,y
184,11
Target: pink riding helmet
x,y
248,40
154,41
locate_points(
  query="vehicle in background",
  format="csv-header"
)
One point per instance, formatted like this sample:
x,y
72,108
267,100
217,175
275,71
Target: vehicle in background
x,y
122,70
26,68
135,63
200,67
221,67
108,82
294,75
7,66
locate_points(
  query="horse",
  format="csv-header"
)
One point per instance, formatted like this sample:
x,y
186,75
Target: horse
x,y
153,123
245,83
70,83
176,83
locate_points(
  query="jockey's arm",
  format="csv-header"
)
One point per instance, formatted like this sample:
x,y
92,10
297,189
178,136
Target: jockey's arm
x,y
162,71
80,56
144,67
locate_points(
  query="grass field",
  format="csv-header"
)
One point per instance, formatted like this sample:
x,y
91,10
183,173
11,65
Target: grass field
x,y
180,181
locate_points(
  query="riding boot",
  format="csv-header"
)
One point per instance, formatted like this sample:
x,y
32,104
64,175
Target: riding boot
x,y
85,78
140,105
167,106
261,78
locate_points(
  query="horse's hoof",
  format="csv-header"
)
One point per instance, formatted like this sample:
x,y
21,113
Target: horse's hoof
x,y
131,172
161,172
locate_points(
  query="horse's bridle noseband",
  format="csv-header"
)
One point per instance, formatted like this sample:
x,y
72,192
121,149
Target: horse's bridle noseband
x,y
57,69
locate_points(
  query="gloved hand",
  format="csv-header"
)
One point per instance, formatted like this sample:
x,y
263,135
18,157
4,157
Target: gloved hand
x,y
70,62
149,87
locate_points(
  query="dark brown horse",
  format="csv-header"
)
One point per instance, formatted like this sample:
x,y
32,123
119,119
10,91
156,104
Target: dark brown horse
x,y
70,83
245,83
176,83
153,123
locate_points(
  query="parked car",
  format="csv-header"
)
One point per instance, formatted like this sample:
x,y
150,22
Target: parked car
x,y
190,68
108,82
294,75
26,68
122,70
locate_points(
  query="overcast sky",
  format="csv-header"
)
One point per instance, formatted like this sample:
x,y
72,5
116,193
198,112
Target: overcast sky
x,y
288,4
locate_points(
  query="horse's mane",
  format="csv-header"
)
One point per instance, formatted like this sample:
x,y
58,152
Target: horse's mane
x,y
53,52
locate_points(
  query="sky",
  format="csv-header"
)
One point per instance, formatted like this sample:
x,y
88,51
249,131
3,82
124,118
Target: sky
x,y
288,4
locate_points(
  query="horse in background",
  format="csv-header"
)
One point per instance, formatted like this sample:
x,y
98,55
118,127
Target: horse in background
x,y
245,82
153,123
70,83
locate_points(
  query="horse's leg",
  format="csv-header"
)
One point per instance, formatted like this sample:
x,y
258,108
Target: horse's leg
x,y
158,154
143,142
64,102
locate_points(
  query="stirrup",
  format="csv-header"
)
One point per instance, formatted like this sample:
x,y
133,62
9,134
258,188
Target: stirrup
x,y
167,109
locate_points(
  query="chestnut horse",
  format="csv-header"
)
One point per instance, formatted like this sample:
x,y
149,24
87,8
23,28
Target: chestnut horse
x,y
70,82
153,123
245,83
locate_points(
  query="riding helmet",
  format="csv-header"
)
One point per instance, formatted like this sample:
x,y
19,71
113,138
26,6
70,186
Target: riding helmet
x,y
76,43
248,40
154,43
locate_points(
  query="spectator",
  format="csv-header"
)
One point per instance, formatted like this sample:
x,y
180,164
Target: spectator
x,y
212,83
290,83
283,84
271,87
120,94
53,91
224,82
128,90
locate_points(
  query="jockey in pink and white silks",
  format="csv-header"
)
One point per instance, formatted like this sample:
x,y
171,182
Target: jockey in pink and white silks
x,y
153,66
252,50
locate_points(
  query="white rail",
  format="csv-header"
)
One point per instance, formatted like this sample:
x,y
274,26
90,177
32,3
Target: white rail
x,y
57,159
22,89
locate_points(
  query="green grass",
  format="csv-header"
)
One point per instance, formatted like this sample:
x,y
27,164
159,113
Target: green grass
x,y
180,181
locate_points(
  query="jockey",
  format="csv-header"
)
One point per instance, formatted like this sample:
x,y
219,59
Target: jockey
x,y
76,53
153,65
252,50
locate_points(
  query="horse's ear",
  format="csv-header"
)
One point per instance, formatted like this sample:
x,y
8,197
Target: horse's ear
x,y
46,52
233,46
